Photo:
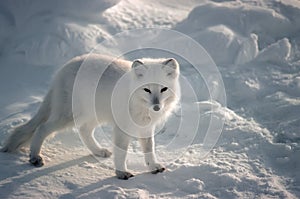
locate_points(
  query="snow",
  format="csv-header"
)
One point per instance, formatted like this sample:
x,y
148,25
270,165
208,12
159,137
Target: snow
x,y
256,46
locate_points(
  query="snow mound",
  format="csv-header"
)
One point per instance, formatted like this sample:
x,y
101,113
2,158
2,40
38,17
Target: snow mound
x,y
50,33
275,53
234,33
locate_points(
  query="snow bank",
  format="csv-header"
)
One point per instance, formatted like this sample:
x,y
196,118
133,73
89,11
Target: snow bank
x,y
234,33
277,53
49,33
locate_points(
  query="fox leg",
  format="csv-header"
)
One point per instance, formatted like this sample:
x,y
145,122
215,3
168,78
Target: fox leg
x,y
87,135
121,143
44,130
148,147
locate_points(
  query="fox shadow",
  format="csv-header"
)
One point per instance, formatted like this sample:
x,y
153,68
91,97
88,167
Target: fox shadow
x,y
16,171
172,182
111,187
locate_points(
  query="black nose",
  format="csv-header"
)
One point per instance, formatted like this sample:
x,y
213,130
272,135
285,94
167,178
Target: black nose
x,y
156,107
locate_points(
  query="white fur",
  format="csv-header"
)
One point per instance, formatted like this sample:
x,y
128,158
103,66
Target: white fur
x,y
56,110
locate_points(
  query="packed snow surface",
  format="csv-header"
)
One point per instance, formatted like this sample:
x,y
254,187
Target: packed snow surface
x,y
256,47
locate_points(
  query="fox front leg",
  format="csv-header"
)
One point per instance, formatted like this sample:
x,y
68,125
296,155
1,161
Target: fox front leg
x,y
121,143
150,157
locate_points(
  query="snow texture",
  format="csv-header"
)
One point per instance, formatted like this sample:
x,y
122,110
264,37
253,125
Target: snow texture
x,y
256,46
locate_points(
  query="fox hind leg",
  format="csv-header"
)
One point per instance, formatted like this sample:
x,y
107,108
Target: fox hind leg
x,y
43,131
87,135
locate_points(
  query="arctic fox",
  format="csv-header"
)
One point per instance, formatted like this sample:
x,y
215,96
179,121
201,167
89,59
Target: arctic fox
x,y
152,87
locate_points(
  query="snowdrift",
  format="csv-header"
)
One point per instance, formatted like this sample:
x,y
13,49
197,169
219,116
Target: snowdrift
x,y
235,34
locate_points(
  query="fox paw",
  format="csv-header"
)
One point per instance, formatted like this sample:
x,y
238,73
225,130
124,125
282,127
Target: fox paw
x,y
157,168
37,161
8,149
4,150
103,153
124,175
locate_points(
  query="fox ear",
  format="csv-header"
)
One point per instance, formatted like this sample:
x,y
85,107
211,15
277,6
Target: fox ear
x,y
171,67
139,68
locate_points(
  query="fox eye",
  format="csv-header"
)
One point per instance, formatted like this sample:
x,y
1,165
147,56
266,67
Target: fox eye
x,y
164,89
147,90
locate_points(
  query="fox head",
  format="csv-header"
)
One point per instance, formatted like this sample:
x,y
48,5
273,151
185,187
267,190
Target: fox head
x,y
157,85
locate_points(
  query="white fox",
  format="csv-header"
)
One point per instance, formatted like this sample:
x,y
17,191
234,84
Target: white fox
x,y
150,103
